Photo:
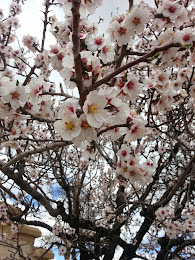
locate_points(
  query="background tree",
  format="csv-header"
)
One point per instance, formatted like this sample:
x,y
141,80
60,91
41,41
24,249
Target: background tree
x,y
111,163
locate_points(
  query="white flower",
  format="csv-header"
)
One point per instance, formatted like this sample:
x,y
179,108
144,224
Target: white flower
x,y
170,9
3,210
30,42
87,132
171,230
68,70
94,43
118,110
57,229
137,130
14,229
4,85
131,87
124,152
88,151
121,32
164,212
182,74
68,127
190,225
185,36
91,5
62,250
36,87
94,109
15,95
162,77
116,133
107,53
69,106
136,19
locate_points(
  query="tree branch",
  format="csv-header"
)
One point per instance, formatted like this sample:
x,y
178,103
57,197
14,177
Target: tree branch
x,y
132,63
76,50
21,156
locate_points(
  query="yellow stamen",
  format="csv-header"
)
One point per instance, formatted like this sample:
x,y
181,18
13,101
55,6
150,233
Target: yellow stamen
x,y
94,109
69,126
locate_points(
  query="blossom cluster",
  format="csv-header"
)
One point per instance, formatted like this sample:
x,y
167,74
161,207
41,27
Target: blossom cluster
x,y
174,227
130,167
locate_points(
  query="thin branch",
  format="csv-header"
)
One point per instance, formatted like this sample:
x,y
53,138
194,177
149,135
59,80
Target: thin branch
x,y
29,75
186,3
45,22
130,4
21,156
186,124
106,157
47,250
132,63
182,246
177,184
33,117
61,94
4,61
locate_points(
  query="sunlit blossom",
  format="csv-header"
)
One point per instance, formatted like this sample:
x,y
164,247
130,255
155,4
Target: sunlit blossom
x,y
94,109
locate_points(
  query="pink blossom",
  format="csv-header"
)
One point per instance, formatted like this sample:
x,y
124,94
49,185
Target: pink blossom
x,y
136,19
131,87
171,229
95,43
120,32
170,9
137,130
16,95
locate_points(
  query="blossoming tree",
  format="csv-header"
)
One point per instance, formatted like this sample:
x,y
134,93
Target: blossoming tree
x,y
104,161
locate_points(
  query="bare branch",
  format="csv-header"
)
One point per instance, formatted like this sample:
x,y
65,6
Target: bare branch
x,y
21,156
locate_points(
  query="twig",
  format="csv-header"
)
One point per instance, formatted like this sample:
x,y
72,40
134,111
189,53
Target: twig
x,y
133,63
35,151
56,94
45,22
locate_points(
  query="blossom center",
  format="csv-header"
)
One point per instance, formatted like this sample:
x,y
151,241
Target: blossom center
x,y
161,78
135,130
69,126
122,30
124,153
186,38
172,9
136,21
94,109
84,124
98,41
132,173
15,95
105,49
130,85
125,169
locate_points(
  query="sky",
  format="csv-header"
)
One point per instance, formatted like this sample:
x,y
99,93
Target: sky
x,y
30,20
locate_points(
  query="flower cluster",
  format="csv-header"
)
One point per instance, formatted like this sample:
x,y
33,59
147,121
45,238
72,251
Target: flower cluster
x,y
174,227
130,168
